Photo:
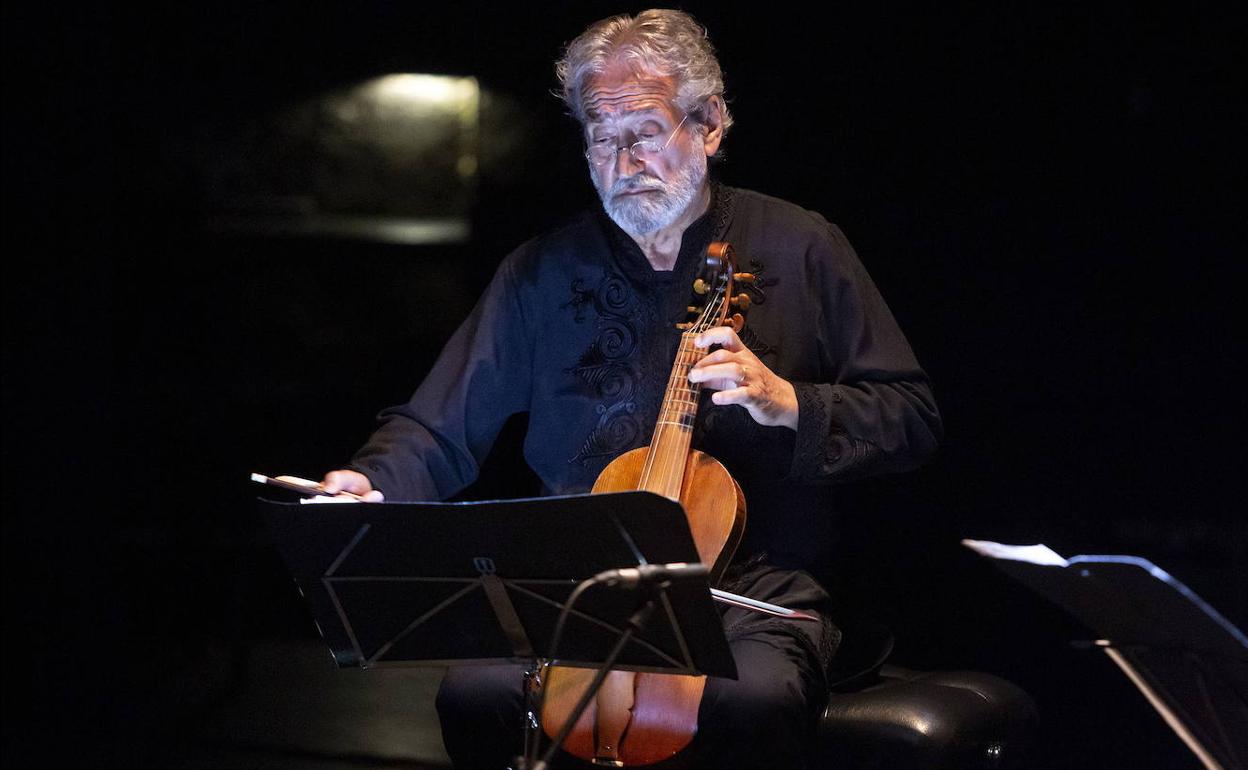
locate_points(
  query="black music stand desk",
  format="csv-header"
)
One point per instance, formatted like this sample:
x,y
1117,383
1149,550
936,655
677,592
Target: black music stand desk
x,y
1188,661
456,583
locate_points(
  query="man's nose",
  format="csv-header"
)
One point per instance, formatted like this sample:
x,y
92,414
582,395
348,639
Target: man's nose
x,y
625,163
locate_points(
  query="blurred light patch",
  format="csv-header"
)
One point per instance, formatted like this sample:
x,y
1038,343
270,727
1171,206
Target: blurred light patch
x,y
417,89
393,159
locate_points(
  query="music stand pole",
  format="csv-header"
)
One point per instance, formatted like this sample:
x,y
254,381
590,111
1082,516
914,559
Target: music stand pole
x,y
1159,703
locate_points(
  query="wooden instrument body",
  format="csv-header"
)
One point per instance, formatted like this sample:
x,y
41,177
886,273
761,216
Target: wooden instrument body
x,y
643,718
713,502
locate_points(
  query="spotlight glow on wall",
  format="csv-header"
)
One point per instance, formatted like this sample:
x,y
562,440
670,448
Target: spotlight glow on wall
x,y
393,159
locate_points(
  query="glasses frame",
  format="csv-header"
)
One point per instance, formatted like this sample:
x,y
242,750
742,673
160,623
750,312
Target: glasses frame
x,y
632,148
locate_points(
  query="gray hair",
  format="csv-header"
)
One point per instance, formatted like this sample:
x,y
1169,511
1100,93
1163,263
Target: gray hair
x,y
667,43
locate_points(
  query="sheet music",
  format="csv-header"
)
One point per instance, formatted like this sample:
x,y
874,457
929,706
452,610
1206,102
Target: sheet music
x,y
1032,554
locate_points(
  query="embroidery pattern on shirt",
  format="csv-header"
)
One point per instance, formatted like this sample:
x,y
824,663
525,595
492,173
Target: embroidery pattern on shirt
x,y
606,367
755,289
758,296
580,298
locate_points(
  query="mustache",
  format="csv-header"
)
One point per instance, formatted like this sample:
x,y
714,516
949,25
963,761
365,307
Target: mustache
x,y
636,182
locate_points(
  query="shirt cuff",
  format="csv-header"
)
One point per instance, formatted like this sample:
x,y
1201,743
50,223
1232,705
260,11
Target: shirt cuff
x,y
824,450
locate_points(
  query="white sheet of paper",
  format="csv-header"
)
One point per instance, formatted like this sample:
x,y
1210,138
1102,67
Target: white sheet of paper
x,y
1032,554
321,499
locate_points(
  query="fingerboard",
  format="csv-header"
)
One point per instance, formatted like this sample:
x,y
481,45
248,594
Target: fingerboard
x,y
664,470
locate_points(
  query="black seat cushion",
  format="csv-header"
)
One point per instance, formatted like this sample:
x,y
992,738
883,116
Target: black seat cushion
x,y
936,719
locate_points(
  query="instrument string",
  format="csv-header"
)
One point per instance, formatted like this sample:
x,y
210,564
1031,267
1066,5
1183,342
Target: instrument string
x,y
679,406
672,415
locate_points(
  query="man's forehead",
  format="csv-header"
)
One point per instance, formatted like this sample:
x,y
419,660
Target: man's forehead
x,y
617,93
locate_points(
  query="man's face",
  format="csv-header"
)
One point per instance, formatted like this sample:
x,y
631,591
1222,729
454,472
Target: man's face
x,y
642,196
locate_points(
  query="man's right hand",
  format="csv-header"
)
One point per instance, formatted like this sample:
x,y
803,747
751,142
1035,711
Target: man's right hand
x,y
353,482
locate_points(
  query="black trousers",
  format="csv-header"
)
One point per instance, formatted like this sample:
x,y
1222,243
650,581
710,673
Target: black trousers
x,y
764,719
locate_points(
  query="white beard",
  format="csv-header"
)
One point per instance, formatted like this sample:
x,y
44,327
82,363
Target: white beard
x,y
643,214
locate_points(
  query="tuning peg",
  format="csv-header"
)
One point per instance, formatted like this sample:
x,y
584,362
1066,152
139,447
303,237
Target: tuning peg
x,y
701,287
741,301
685,326
693,310
736,321
745,279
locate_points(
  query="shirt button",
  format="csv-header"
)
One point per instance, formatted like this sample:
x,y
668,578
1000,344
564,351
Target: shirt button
x,y
836,396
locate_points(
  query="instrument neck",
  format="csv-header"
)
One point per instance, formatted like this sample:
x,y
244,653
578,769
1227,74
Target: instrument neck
x,y
664,470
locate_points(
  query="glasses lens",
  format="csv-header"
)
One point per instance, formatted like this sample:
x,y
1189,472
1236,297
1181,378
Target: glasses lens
x,y
647,149
599,154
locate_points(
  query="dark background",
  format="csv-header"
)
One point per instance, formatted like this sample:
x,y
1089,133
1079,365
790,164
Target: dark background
x,y
1044,194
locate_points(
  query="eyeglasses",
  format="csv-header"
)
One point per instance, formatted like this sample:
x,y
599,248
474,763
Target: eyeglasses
x,y
644,151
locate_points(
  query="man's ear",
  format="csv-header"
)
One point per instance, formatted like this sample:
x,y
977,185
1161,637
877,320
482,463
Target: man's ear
x,y
713,119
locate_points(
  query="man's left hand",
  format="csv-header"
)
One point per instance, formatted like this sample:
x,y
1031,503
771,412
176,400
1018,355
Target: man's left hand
x,y
741,378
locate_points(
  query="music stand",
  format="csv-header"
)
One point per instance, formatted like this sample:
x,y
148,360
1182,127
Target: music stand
x,y
1187,660
456,583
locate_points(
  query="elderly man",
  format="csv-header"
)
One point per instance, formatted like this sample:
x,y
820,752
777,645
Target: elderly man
x,y
578,329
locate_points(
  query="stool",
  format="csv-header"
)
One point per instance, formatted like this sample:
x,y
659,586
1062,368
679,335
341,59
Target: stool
x,y
882,716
